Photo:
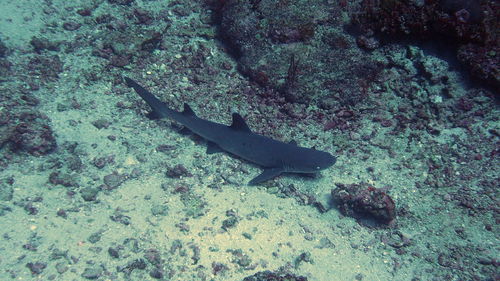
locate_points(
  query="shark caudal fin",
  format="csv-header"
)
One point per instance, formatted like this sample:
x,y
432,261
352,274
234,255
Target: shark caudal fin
x,y
160,110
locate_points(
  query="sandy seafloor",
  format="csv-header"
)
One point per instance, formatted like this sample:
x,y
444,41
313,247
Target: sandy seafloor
x,y
208,224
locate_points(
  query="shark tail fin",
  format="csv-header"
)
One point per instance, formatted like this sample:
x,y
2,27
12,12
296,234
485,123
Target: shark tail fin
x,y
160,110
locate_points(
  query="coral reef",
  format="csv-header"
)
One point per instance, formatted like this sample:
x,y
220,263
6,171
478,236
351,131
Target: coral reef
x,y
33,134
284,45
472,26
363,200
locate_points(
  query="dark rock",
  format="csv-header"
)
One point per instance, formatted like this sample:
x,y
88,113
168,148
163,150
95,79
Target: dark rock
x,y
6,189
262,32
30,209
118,216
89,193
95,237
101,123
71,25
469,25
229,223
3,50
156,273
74,163
113,252
47,68
113,180
61,267
364,201
62,213
64,179
92,272
274,276
41,44
84,12
143,16
219,268
121,2
178,171
37,267
159,210
33,134
153,256
100,162
135,264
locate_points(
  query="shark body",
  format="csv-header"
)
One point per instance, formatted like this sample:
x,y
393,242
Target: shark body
x,y
275,157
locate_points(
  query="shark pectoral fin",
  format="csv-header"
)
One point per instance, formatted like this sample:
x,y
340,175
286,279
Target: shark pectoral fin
x,y
185,131
212,148
267,174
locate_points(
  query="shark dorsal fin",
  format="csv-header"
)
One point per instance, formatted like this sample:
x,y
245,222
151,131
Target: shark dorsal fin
x,y
188,111
239,123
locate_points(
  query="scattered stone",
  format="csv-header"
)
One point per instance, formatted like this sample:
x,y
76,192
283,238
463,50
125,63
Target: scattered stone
x,y
194,204
240,258
135,264
274,276
89,193
3,49
229,223
94,237
153,256
41,44
113,252
92,272
362,201
219,268
33,134
61,267
159,210
113,180
71,25
62,213
120,217
156,273
178,171
63,179
37,267
101,123
6,190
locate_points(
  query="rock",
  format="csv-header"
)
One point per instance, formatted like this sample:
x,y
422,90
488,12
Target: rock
x,y
37,267
274,276
92,273
113,180
89,193
362,201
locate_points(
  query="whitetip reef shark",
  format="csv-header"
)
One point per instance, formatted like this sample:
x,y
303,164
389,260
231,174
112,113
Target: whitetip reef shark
x,y
275,157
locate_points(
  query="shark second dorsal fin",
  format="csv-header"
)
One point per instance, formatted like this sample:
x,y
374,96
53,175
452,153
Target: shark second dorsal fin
x,y
239,123
188,111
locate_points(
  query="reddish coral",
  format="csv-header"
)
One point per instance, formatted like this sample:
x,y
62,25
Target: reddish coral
x,y
472,26
363,200
33,134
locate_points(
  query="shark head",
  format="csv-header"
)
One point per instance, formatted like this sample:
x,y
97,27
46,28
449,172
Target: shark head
x,y
310,161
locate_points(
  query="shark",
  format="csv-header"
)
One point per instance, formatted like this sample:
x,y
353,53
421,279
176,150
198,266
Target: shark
x,y
275,157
